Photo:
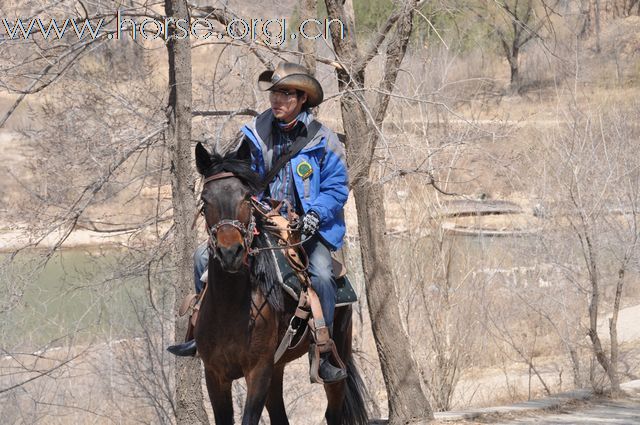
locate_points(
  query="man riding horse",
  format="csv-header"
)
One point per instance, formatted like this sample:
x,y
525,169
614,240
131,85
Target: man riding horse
x,y
314,183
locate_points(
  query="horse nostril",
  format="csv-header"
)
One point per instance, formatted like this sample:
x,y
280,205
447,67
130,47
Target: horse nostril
x,y
231,253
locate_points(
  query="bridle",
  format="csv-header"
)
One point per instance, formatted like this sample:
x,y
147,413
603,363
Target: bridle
x,y
247,231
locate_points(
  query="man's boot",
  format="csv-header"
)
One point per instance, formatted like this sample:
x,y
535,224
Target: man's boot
x,y
328,372
187,348
320,358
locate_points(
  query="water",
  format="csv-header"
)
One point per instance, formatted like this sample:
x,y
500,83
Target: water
x,y
75,298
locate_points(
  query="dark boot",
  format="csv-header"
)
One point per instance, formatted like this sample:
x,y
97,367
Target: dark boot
x,y
186,349
328,372
320,355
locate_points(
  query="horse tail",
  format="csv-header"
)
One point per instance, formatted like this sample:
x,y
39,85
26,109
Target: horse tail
x,y
354,409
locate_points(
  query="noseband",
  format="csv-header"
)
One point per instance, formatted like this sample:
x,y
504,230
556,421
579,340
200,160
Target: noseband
x,y
247,231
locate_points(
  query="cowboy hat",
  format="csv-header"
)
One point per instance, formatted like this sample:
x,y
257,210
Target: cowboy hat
x,y
292,75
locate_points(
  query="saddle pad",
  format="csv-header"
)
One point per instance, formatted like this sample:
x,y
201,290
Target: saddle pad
x,y
291,284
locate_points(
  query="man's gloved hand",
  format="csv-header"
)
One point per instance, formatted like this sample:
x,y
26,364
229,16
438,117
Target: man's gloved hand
x,y
310,224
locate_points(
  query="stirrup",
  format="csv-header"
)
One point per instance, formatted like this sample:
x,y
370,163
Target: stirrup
x,y
323,355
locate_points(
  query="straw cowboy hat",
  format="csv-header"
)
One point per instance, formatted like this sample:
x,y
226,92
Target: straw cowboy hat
x,y
289,74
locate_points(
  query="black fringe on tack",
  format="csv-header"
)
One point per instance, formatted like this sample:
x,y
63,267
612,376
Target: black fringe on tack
x,y
264,276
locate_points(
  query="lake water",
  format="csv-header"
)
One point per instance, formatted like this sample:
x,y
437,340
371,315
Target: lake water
x,y
77,297
74,298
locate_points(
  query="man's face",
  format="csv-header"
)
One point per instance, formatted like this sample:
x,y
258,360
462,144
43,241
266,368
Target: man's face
x,y
286,104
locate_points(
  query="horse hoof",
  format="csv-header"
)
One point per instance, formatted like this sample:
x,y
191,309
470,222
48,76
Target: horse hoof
x,y
186,349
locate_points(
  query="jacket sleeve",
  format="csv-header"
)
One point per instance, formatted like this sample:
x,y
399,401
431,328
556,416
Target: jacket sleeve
x,y
334,181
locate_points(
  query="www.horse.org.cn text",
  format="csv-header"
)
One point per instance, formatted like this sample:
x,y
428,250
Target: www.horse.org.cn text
x,y
270,31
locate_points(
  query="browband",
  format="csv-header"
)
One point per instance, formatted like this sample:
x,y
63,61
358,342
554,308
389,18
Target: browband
x,y
219,176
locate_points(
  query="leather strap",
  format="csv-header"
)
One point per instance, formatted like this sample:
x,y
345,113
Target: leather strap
x,y
299,319
196,307
312,129
219,176
188,303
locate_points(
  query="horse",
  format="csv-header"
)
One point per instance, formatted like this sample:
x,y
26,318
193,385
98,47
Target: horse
x,y
242,319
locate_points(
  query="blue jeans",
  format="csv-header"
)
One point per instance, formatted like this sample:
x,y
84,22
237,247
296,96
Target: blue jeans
x,y
200,264
320,271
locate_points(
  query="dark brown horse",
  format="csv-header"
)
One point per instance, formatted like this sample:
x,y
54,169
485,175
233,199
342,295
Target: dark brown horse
x,y
242,319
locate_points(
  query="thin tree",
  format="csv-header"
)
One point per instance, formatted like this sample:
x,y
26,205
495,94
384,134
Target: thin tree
x,y
362,122
189,407
597,190
515,23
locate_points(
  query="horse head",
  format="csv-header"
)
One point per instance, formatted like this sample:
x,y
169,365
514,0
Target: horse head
x,y
229,184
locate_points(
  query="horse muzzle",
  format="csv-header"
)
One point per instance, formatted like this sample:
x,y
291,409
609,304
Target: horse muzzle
x,y
229,241
231,257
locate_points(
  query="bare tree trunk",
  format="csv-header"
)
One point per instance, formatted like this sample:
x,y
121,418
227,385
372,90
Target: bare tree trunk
x,y
597,24
594,305
308,9
407,402
189,408
515,70
613,332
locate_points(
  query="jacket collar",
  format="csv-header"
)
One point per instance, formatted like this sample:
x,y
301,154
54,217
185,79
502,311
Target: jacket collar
x,y
264,124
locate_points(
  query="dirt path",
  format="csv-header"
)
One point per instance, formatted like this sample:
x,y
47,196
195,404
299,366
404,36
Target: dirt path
x,y
576,407
625,411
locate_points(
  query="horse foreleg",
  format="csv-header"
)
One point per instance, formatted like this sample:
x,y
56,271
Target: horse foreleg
x,y
220,396
275,402
258,382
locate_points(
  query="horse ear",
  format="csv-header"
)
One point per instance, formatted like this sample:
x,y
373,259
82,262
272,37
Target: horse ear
x,y
244,150
203,159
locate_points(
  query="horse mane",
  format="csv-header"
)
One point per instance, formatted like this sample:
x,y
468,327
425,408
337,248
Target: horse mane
x,y
232,164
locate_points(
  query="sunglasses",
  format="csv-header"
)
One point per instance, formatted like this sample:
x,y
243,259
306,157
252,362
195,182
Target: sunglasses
x,y
286,93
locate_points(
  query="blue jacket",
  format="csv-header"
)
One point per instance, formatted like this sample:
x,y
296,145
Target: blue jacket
x,y
326,189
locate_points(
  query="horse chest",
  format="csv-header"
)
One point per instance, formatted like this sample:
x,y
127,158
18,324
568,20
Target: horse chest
x,y
235,338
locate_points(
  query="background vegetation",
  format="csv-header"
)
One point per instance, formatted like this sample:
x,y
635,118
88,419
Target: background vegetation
x,y
511,203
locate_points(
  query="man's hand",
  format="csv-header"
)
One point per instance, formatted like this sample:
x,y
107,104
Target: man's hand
x,y
310,224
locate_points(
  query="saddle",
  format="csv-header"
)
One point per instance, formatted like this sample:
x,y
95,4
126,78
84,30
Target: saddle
x,y
290,260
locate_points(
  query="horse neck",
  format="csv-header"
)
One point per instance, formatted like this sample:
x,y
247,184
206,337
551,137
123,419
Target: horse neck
x,y
228,291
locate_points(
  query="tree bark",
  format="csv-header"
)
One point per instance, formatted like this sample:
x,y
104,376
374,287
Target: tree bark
x,y
613,333
307,46
189,407
597,24
594,304
406,400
